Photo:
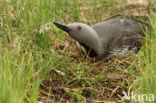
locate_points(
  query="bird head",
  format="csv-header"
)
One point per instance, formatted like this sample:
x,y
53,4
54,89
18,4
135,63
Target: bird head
x,y
78,31
82,33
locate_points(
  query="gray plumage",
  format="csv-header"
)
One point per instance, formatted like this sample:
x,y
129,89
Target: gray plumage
x,y
113,37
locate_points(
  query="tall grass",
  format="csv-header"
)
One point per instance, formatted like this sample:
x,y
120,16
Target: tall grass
x,y
148,68
25,55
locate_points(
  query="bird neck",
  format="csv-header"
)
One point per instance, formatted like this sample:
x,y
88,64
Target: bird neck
x,y
94,42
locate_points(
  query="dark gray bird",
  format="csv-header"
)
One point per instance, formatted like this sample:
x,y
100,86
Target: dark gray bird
x,y
121,36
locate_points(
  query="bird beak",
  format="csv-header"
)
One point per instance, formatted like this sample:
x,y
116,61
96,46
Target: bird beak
x,y
63,27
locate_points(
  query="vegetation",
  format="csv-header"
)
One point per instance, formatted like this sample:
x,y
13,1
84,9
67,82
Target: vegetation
x,y
40,63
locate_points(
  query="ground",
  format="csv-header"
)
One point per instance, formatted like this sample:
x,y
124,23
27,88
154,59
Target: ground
x,y
88,82
93,82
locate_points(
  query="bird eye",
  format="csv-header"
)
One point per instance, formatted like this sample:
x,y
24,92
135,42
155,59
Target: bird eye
x,y
79,27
